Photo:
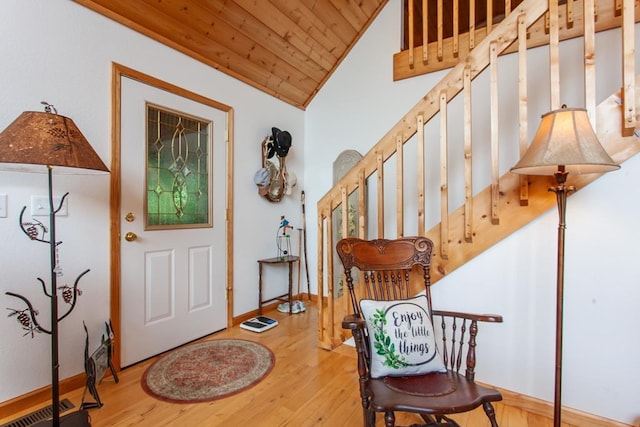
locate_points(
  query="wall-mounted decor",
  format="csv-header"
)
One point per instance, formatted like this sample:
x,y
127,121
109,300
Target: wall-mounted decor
x,y
178,188
273,179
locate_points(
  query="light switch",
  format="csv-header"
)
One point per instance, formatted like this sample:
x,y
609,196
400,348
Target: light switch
x,y
40,205
3,205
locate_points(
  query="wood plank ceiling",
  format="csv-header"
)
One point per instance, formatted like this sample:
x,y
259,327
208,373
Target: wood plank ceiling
x,y
286,48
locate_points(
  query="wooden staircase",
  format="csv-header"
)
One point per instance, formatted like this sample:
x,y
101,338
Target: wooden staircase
x,y
422,140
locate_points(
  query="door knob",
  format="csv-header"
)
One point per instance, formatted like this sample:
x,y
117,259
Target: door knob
x,y
130,236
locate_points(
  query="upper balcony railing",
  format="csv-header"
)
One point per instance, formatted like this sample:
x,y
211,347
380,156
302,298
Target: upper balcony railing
x,y
454,27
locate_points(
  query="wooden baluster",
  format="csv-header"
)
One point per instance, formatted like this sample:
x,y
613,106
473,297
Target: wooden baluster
x,y
495,169
440,30
472,24
456,30
344,212
425,31
590,60
362,207
380,170
444,185
399,186
489,16
554,54
320,271
344,195
421,174
569,13
628,67
411,31
522,103
468,174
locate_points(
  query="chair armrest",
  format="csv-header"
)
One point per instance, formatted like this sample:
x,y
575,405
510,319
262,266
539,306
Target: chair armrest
x,y
459,331
353,322
494,318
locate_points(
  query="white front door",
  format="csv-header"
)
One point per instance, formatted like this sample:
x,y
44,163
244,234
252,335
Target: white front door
x,y
172,280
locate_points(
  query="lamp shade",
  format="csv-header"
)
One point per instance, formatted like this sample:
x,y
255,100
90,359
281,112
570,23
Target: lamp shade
x,y
44,138
565,138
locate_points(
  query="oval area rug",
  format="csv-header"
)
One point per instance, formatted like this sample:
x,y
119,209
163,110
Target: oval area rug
x,y
207,370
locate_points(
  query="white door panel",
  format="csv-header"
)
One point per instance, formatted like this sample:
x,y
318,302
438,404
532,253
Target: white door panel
x,y
172,281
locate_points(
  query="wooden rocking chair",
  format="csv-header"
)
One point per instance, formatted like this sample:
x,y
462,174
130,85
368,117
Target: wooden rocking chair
x,y
386,266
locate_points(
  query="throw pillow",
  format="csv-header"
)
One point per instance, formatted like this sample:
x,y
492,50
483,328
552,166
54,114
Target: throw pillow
x,y
401,337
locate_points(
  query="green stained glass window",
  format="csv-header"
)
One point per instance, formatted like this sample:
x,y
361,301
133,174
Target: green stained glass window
x,y
178,159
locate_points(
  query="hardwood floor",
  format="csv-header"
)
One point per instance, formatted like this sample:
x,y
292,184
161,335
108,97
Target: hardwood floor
x,y
308,386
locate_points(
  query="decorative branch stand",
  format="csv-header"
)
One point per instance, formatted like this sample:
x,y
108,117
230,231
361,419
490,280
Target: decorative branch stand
x,y
37,231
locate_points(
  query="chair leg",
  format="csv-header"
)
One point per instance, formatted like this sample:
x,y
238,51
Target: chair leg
x,y
369,418
389,419
491,413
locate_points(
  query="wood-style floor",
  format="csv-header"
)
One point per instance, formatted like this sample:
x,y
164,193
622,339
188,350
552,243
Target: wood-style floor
x,y
308,386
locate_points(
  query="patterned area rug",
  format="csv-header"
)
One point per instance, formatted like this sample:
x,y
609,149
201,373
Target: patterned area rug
x,y
207,370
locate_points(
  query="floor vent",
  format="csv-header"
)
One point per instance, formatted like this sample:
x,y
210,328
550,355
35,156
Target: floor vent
x,y
39,415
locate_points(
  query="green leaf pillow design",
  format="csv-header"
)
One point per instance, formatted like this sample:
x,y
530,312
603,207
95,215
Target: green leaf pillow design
x,y
382,342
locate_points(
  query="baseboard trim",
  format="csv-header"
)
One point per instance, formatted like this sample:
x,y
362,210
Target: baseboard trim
x,y
544,408
41,396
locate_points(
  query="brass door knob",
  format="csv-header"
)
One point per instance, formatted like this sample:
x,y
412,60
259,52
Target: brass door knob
x,y
130,236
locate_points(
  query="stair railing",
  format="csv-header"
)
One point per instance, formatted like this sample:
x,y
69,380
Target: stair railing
x,y
474,224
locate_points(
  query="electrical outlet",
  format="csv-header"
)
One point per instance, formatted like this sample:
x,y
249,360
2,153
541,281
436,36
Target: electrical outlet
x,y
3,205
40,205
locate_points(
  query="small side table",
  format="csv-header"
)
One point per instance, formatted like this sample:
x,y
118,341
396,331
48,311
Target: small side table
x,y
288,297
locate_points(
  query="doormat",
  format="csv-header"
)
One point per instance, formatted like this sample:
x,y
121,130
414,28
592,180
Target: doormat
x,y
207,371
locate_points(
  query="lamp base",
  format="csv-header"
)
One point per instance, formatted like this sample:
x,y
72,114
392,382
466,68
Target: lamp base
x,y
74,419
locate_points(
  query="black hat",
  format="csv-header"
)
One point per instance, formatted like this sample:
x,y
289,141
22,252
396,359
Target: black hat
x,y
281,141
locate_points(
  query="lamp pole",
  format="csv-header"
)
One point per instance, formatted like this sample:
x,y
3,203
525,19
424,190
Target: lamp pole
x,y
55,365
561,190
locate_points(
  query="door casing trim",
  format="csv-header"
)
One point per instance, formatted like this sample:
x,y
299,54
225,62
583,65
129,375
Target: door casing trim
x,y
118,72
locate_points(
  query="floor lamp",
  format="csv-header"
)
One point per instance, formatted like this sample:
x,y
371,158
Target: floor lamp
x,y
42,142
564,144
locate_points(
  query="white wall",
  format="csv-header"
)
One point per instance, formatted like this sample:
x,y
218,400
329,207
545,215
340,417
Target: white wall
x,y
61,52
516,278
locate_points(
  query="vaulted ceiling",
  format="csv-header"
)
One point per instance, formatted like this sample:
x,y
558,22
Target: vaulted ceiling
x,y
286,48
